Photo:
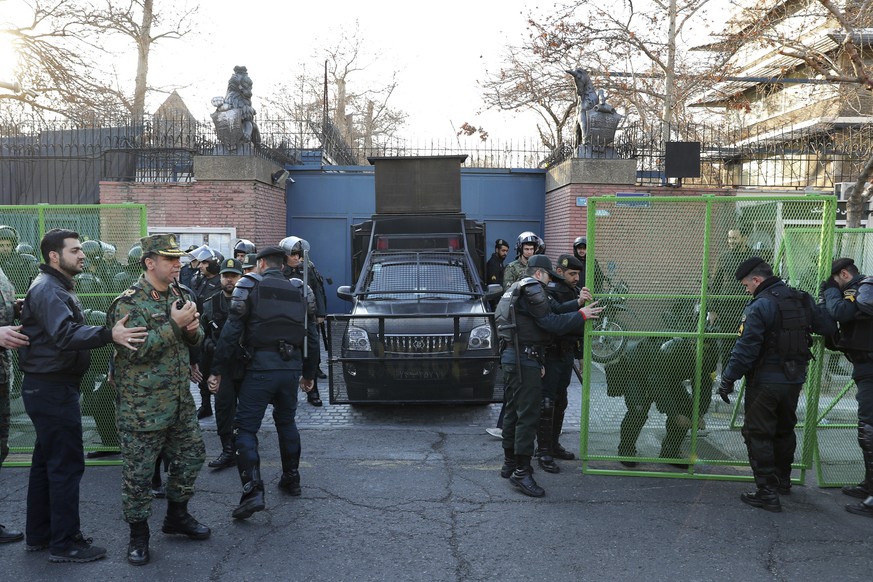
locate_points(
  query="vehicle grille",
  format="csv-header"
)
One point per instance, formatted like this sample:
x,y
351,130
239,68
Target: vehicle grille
x,y
419,344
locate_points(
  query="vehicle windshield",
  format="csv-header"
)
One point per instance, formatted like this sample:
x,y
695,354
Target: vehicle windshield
x,y
417,281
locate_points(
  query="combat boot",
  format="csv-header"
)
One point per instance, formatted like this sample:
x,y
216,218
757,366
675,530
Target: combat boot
x,y
522,478
544,437
558,451
765,498
252,499
138,548
509,463
290,482
226,458
864,508
179,521
864,489
313,397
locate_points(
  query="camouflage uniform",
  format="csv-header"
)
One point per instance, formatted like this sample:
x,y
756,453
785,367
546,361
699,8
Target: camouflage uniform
x,y
514,271
7,317
155,410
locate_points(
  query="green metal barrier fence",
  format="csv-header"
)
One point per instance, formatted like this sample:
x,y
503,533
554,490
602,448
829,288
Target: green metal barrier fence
x,y
108,232
673,309
837,458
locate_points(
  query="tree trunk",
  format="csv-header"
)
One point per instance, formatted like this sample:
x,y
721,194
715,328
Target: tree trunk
x,y
856,201
143,45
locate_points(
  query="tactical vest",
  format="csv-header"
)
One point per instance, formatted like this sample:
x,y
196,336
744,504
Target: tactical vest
x,y
792,335
509,318
277,314
855,335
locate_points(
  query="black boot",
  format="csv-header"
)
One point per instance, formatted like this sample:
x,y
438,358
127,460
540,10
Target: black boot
x,y
522,478
252,499
313,397
138,548
226,458
558,451
290,482
179,521
766,498
544,437
864,508
509,463
205,409
864,489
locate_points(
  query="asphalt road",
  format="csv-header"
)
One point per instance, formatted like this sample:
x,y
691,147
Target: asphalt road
x,y
413,493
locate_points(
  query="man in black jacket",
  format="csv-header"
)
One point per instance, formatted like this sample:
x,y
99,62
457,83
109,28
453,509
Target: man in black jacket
x,y
772,352
53,365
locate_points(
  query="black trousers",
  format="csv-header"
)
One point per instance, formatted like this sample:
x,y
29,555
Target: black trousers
x,y
768,430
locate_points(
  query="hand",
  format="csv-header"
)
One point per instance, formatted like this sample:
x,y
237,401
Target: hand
x,y
185,315
19,303
827,284
725,389
319,320
591,311
11,338
584,295
214,383
306,385
128,337
191,328
196,374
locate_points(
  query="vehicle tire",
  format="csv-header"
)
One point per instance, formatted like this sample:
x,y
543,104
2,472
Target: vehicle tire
x,y
606,349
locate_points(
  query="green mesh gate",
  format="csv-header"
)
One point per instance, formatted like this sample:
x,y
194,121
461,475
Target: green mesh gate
x,y
837,457
108,233
651,366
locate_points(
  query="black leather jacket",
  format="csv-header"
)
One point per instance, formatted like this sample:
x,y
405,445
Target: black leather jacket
x,y
52,319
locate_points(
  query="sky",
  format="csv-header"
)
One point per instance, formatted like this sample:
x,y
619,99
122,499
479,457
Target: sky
x,y
439,49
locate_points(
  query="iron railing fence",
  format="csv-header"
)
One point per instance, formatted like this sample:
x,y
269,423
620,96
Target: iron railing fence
x,y
61,162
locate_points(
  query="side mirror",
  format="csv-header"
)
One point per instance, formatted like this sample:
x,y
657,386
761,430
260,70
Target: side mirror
x,y
344,292
493,292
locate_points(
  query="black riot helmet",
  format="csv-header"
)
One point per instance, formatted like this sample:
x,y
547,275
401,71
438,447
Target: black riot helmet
x,y
528,237
24,249
580,242
9,233
92,249
244,246
134,256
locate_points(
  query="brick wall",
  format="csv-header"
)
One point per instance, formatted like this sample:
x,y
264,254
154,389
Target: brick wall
x,y
564,221
257,210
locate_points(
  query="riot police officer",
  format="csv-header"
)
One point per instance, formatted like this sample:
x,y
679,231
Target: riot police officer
x,y
772,352
242,248
527,245
527,325
580,251
848,298
205,284
270,312
294,248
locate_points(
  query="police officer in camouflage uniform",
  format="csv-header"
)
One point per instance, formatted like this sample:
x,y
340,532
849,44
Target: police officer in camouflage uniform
x,y
17,269
11,338
156,412
527,245
527,325
268,316
848,298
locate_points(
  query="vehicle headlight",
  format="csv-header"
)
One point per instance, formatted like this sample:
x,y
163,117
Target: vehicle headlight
x,y
358,339
480,338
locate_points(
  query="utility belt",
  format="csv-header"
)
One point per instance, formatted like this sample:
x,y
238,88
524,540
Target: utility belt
x,y
285,350
537,353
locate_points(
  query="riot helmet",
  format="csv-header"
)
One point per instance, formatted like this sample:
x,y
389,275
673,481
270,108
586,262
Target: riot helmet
x,y
134,256
123,280
294,245
31,259
203,253
580,242
244,246
7,233
88,283
92,249
109,251
24,249
528,237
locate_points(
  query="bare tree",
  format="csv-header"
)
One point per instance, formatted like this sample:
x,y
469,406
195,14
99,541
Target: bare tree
x,y
62,50
826,40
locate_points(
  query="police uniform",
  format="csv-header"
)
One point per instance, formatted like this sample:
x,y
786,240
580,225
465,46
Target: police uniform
x,y
7,317
215,313
267,313
204,288
772,352
495,268
852,308
156,413
527,325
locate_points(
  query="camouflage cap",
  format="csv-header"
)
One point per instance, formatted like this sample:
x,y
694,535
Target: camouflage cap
x,y
231,266
161,244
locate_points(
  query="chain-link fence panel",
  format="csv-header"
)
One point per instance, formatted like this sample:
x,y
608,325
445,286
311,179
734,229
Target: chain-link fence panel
x,y
110,240
673,308
413,358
